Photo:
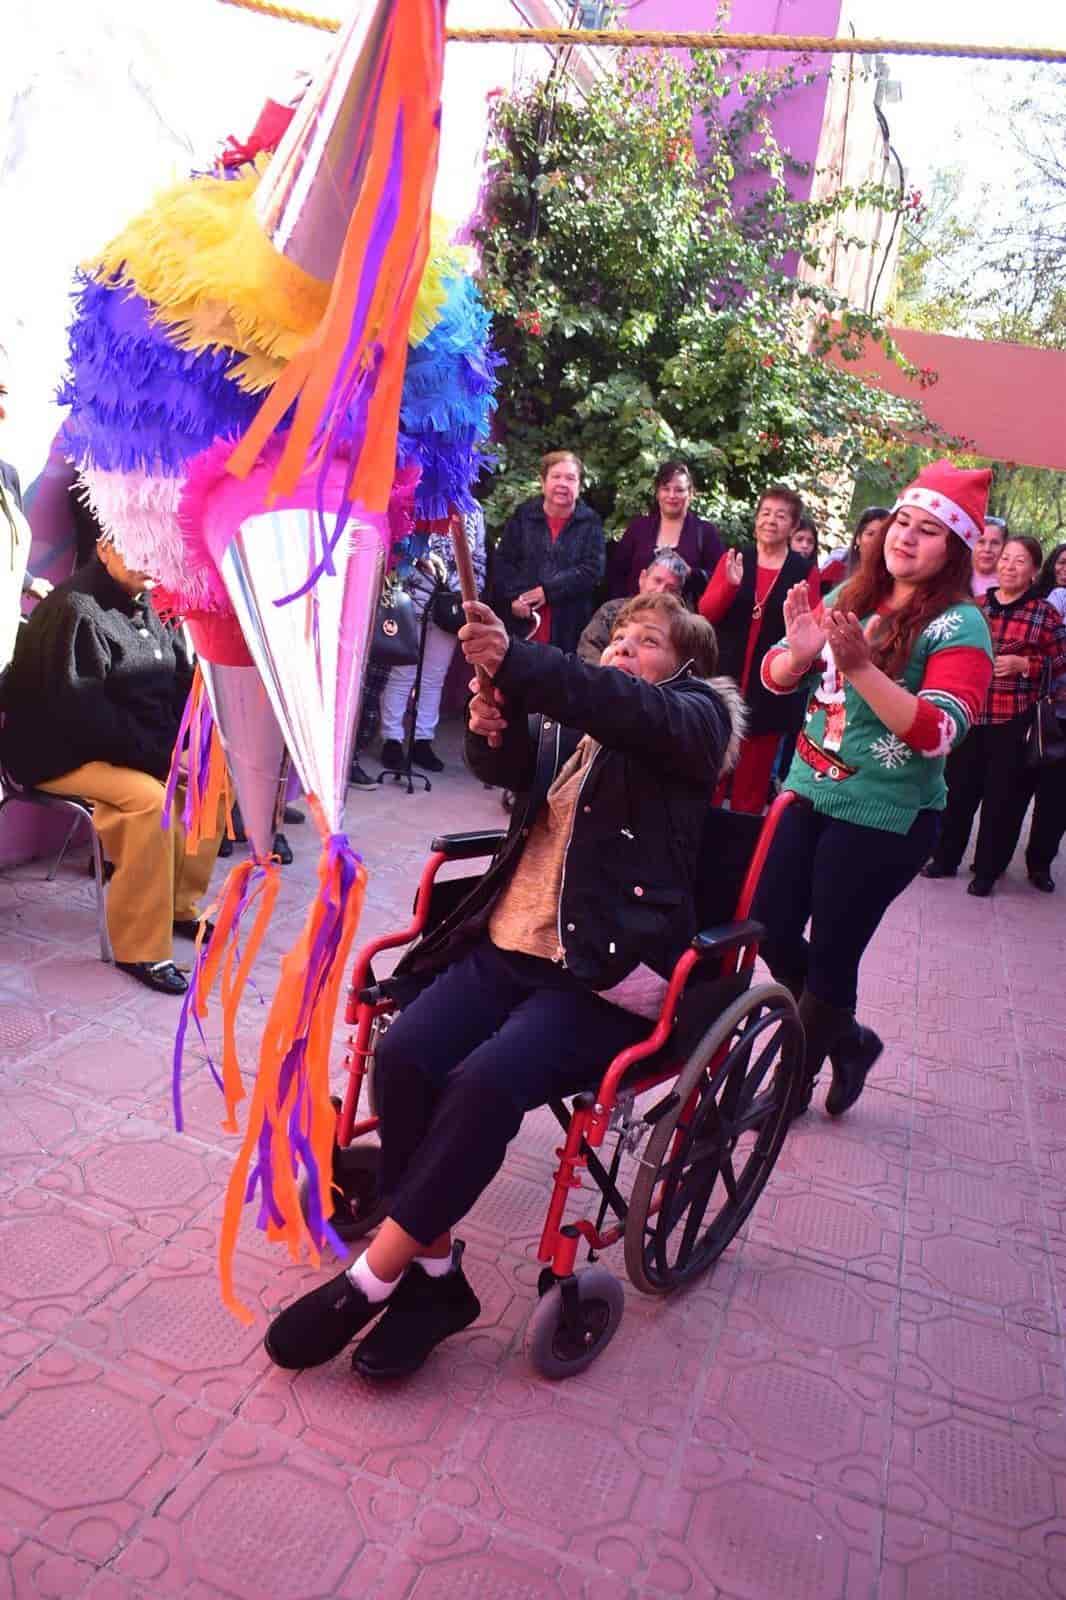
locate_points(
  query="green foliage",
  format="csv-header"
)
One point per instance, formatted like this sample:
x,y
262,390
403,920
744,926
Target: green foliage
x,y
645,295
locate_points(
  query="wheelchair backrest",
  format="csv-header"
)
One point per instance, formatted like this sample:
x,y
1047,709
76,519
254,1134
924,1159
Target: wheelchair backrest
x,y
726,848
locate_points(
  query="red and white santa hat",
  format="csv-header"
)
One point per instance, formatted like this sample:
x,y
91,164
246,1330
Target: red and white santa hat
x,y
958,496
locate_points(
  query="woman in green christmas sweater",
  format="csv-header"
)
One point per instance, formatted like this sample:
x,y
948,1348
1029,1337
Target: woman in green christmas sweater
x,y
897,663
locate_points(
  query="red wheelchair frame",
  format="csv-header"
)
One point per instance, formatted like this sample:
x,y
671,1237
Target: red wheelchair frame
x,y
733,946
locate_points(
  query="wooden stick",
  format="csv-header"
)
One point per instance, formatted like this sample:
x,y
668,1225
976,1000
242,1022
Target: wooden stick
x,y
464,563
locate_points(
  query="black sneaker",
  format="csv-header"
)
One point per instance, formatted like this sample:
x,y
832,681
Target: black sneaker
x,y
392,755
933,869
423,755
981,887
422,1312
317,1327
283,850
360,779
293,816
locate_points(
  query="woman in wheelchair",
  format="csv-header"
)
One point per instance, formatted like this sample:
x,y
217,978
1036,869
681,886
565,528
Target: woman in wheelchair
x,y
549,967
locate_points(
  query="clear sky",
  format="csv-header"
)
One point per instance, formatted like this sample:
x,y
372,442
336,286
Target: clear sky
x,y
942,117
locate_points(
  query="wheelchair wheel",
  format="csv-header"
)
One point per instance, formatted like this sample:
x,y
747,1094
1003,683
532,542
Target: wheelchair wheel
x,y
564,1339
711,1152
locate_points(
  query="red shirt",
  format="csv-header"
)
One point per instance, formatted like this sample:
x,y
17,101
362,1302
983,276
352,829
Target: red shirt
x,y
543,634
720,594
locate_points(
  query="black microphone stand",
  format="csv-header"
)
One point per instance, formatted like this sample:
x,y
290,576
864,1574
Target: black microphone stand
x,y
408,773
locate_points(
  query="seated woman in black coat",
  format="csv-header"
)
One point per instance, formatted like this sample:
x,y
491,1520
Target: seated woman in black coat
x,y
558,959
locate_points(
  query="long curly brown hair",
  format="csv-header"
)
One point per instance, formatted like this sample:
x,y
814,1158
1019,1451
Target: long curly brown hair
x,y
872,585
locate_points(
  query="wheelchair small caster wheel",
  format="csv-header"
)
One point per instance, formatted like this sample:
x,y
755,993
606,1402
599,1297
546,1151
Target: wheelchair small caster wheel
x,y
574,1321
358,1205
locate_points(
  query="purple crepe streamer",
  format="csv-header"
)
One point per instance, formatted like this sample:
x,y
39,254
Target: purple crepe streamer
x,y
175,764
178,1058
323,953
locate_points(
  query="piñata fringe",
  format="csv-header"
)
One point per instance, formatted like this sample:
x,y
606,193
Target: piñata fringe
x,y
347,382
207,785
291,1123
200,257
250,886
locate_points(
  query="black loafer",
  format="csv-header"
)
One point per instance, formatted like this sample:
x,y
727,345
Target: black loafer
x,y
1042,881
188,929
282,850
162,976
422,1312
981,887
317,1327
933,869
851,1060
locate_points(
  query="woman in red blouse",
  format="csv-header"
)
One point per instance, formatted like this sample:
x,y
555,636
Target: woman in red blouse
x,y
745,602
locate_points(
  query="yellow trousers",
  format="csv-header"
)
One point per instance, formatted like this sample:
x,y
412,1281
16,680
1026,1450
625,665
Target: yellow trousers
x,y
155,883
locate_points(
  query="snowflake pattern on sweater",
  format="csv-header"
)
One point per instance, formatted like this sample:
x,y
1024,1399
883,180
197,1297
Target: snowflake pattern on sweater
x,y
890,751
944,627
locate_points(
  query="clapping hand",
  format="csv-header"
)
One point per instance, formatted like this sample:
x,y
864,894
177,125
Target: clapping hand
x,y
849,641
734,567
804,634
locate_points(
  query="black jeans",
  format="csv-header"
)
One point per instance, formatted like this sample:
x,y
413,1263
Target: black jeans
x,y
987,770
1049,817
842,877
490,1038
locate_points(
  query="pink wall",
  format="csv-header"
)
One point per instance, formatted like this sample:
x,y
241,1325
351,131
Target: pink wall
x,y
798,123
1007,398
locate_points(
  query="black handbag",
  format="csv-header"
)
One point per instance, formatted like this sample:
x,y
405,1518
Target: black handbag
x,y
1045,743
446,610
397,629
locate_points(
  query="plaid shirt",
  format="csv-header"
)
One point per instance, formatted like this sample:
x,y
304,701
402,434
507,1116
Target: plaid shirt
x,y
1031,628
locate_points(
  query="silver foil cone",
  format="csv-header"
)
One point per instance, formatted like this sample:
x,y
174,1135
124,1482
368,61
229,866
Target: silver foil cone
x,y
311,652
255,751
309,190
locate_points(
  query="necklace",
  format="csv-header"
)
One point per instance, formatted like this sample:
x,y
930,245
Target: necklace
x,y
757,608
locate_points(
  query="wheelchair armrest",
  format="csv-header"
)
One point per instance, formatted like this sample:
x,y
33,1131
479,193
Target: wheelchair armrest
x,y
466,846
727,936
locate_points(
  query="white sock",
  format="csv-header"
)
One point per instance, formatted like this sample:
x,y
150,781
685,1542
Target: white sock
x,y
435,1266
362,1276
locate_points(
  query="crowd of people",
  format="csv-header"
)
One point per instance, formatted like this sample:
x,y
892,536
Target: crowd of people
x,y
891,686
563,951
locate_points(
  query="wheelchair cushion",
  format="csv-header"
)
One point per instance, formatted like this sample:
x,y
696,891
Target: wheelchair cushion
x,y
701,1005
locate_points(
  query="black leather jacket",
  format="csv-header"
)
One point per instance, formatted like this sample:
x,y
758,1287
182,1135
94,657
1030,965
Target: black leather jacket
x,y
628,879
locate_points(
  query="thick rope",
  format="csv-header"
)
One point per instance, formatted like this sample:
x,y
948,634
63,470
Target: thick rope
x,y
625,39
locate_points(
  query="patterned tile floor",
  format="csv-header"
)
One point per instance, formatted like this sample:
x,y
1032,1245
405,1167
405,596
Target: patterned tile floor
x,y
865,1400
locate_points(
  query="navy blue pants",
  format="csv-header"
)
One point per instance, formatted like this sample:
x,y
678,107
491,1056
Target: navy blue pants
x,y
490,1038
842,878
